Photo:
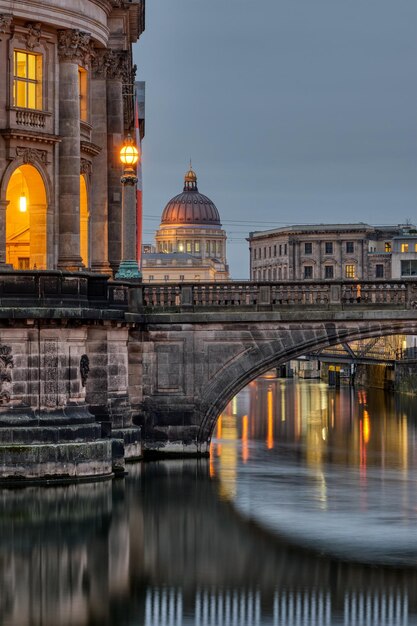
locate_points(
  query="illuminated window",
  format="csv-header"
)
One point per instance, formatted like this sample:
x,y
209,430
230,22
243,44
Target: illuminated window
x,y
404,247
350,247
27,81
387,246
208,247
83,91
328,247
197,246
415,247
219,251
188,246
180,246
308,271
350,271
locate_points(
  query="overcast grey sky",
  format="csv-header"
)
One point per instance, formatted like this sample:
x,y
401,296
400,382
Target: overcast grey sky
x,y
292,111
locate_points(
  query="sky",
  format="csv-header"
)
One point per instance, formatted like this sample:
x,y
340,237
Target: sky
x,y
293,112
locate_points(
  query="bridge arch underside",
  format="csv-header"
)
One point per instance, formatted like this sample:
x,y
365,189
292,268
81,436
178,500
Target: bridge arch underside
x,y
290,344
218,361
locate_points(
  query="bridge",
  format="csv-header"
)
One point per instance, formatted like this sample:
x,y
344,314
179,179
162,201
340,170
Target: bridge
x,y
85,361
200,344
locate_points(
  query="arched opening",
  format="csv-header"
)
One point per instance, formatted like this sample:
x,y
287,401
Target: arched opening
x,y
26,236
84,222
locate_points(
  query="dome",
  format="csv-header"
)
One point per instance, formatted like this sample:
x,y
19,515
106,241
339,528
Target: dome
x,y
190,206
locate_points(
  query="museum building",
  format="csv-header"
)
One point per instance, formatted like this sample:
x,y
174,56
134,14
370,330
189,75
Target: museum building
x,y
65,110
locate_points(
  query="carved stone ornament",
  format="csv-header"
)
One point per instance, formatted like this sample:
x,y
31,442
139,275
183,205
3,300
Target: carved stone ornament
x,y
85,167
84,369
75,46
6,366
119,67
100,62
32,155
5,22
33,35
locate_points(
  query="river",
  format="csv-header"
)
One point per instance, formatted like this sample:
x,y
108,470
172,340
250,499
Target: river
x,y
304,515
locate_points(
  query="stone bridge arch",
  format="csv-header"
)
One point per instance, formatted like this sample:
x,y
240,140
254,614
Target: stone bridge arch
x,y
265,355
211,363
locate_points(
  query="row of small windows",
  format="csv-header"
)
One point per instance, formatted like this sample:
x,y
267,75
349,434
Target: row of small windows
x,y
166,277
329,247
269,251
212,247
350,272
27,83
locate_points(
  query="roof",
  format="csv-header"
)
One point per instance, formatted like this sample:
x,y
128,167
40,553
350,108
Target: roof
x,y
323,228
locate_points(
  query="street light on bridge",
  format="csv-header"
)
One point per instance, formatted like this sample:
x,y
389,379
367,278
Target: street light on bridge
x,y
129,267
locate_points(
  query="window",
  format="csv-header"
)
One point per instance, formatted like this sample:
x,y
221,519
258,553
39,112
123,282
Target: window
x,y
219,252
254,275
328,271
196,246
350,247
27,81
208,247
188,246
150,276
280,250
285,249
166,277
404,247
328,247
270,252
387,246
83,91
409,268
275,250
350,271
415,247
308,248
23,263
182,277
308,271
264,253
180,246
379,270
274,273
254,254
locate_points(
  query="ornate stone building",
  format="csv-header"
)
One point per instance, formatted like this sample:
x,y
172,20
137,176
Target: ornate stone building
x,y
65,107
190,241
323,251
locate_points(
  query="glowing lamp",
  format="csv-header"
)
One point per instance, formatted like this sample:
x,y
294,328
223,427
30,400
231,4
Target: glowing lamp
x,y
129,154
23,203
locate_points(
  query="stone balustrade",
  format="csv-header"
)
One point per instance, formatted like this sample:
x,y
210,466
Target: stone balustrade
x,y
32,291
325,294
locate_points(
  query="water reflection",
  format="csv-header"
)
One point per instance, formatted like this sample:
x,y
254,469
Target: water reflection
x,y
167,546
332,470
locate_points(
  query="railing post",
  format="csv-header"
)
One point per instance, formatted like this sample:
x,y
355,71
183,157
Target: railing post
x,y
186,295
335,294
265,295
135,298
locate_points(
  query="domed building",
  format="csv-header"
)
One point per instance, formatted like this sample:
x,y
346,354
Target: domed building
x,y
190,241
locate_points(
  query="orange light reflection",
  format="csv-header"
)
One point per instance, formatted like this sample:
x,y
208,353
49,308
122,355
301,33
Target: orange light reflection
x,y
245,447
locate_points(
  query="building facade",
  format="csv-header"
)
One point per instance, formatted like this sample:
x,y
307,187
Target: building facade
x,y
66,106
190,244
323,251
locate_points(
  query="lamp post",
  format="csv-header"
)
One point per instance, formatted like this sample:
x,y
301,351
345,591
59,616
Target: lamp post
x,y
129,156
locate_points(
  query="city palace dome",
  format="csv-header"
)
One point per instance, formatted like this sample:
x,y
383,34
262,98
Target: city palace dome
x,y
190,206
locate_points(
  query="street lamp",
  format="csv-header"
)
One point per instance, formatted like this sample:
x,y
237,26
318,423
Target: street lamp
x,y
129,156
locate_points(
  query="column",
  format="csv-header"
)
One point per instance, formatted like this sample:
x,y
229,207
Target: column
x,y
99,197
73,50
3,209
118,73
37,236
